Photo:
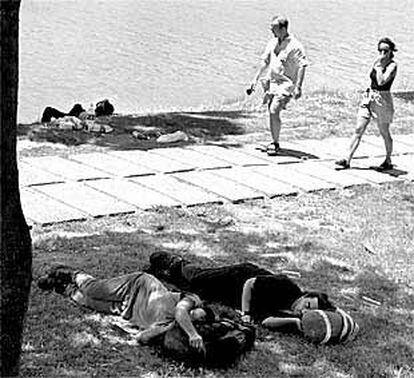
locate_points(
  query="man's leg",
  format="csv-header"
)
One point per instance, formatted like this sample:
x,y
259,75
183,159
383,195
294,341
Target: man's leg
x,y
105,295
276,105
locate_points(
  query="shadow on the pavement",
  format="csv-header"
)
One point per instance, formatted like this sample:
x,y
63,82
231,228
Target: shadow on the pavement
x,y
295,153
205,126
392,172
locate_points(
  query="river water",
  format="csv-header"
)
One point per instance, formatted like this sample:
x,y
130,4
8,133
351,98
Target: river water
x,y
167,55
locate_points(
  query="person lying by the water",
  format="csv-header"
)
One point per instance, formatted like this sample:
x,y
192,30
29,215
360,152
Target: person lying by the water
x,y
274,300
139,298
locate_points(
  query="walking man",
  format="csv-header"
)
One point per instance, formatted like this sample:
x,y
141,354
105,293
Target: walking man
x,y
284,60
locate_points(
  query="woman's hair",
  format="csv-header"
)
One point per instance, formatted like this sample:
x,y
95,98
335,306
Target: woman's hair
x,y
323,302
390,43
210,314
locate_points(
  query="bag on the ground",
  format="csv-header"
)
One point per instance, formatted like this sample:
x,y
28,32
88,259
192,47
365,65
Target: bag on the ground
x,y
225,341
322,327
104,108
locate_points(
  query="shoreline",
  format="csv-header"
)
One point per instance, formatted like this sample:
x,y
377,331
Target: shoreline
x,y
314,116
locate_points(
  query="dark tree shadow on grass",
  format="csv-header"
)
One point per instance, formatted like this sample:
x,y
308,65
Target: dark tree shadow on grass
x,y
205,126
82,345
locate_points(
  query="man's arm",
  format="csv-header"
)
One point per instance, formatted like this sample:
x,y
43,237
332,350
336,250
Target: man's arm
x,y
297,93
182,316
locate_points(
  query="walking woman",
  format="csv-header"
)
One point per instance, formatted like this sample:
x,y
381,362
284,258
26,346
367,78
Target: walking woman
x,y
377,103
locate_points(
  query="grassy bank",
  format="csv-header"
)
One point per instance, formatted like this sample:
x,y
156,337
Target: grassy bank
x,y
350,243
316,115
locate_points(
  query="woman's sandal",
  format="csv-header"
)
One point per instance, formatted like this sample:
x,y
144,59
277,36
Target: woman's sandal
x,y
343,163
272,149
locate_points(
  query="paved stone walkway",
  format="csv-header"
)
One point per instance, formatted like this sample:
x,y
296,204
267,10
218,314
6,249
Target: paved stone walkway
x,y
55,189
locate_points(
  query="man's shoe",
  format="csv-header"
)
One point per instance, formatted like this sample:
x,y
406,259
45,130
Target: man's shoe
x,y
272,149
343,163
57,279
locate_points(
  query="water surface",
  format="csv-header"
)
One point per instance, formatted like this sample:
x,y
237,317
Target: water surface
x,y
182,54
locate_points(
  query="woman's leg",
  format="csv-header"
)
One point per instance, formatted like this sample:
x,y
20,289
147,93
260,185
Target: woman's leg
x,y
362,123
384,129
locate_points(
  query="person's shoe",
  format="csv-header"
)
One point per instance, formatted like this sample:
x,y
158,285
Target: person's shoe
x,y
385,166
343,163
57,279
272,149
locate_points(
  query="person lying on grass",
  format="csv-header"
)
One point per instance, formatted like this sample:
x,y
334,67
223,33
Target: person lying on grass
x,y
149,308
274,300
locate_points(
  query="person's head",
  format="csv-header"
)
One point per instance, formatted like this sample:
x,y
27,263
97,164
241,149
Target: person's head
x,y
279,26
386,47
202,314
312,300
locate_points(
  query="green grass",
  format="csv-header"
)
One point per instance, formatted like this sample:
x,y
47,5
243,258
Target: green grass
x,y
321,235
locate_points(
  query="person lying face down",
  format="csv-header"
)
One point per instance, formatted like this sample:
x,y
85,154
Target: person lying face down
x,y
274,300
139,298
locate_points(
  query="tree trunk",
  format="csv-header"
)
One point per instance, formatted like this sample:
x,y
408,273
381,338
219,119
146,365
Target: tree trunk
x,y
16,253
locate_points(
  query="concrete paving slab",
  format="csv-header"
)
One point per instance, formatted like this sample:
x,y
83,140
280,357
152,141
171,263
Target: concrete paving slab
x,y
326,171
317,148
41,209
248,176
403,144
403,166
136,195
30,175
234,156
287,173
219,185
363,168
114,165
183,192
184,155
69,169
154,163
289,154
85,198
407,139
398,147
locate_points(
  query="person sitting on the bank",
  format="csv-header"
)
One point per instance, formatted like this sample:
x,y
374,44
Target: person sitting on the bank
x,y
274,300
138,297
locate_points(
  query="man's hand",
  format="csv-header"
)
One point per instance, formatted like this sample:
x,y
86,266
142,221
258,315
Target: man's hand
x,y
196,341
297,93
251,88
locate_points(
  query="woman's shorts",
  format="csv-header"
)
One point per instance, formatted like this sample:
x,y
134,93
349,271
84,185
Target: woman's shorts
x,y
377,105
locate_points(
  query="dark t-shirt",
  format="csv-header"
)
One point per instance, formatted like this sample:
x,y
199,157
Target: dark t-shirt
x,y
222,284
272,294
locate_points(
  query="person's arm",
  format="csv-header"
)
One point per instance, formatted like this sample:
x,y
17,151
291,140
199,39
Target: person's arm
x,y
182,316
276,323
297,93
264,64
247,298
387,75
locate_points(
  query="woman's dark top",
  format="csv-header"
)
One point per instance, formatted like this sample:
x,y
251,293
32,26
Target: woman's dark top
x,y
273,294
222,284
374,82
